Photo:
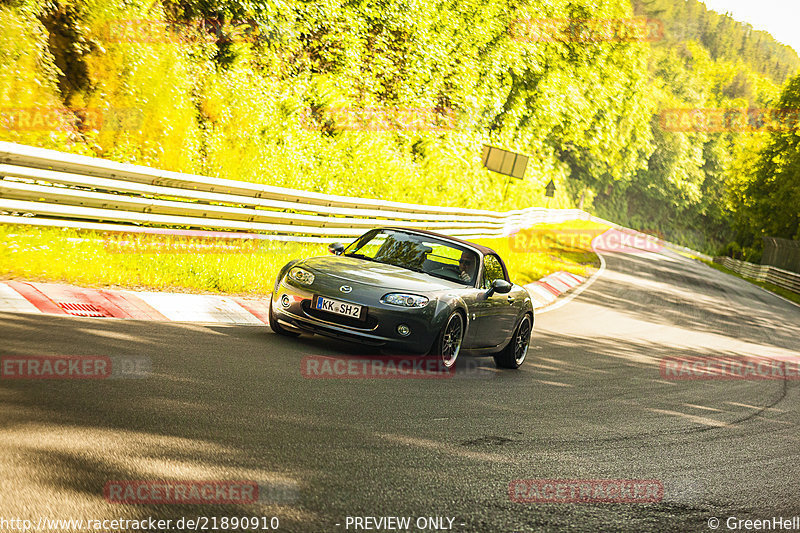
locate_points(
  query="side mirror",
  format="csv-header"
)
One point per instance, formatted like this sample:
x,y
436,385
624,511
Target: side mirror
x,y
336,248
499,286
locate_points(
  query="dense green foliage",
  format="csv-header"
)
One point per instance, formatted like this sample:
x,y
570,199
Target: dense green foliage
x,y
692,187
249,102
769,202
251,90
723,37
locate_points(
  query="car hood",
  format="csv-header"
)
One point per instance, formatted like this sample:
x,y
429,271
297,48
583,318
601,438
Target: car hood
x,y
376,274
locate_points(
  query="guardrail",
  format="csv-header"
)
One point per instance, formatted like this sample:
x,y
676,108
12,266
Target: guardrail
x,y
782,278
50,188
781,253
60,189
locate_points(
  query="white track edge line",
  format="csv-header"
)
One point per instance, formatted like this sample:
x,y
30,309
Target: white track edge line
x,y
558,304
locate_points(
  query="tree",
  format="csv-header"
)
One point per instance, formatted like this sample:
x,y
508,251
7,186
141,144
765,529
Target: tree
x,y
772,199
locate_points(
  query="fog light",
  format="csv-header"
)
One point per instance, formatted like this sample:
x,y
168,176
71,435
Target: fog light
x,y
285,301
403,330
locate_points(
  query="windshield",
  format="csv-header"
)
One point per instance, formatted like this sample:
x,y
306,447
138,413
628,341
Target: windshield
x,y
419,253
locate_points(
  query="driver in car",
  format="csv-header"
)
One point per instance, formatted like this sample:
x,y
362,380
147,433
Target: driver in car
x,y
466,265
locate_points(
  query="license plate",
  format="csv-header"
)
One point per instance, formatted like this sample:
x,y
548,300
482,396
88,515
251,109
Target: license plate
x,y
340,308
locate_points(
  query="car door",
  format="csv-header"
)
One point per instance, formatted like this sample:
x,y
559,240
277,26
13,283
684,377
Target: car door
x,y
495,314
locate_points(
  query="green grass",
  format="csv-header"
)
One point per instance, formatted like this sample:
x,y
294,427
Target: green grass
x,y
560,248
789,295
95,259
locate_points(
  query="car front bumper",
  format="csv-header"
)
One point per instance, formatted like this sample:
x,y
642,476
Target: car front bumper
x,y
293,307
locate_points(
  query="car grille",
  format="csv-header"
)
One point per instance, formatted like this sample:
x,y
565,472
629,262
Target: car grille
x,y
365,325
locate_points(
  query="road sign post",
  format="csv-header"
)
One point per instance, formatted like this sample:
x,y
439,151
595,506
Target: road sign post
x,y
549,191
504,162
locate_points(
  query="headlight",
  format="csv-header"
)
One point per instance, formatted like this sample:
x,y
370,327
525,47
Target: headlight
x,y
405,300
301,276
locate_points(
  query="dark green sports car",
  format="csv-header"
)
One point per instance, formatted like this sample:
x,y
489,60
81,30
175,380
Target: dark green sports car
x,y
409,290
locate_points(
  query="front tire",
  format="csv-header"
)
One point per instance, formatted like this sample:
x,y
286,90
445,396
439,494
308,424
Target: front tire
x,y
514,354
448,342
277,328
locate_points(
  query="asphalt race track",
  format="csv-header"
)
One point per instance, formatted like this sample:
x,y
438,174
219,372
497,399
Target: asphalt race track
x,y
230,403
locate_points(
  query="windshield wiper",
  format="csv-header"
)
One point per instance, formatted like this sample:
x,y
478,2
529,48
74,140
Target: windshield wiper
x,y
447,278
413,269
361,256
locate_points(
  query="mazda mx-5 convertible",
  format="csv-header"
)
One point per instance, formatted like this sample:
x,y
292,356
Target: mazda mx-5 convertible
x,y
408,290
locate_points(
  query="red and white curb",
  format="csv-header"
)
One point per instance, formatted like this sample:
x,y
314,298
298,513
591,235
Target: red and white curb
x,y
69,300
59,299
547,290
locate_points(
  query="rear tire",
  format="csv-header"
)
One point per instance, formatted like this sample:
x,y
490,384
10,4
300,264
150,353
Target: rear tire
x,y
448,342
277,328
514,354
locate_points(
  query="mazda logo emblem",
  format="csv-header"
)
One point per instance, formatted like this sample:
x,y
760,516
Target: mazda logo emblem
x,y
345,288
